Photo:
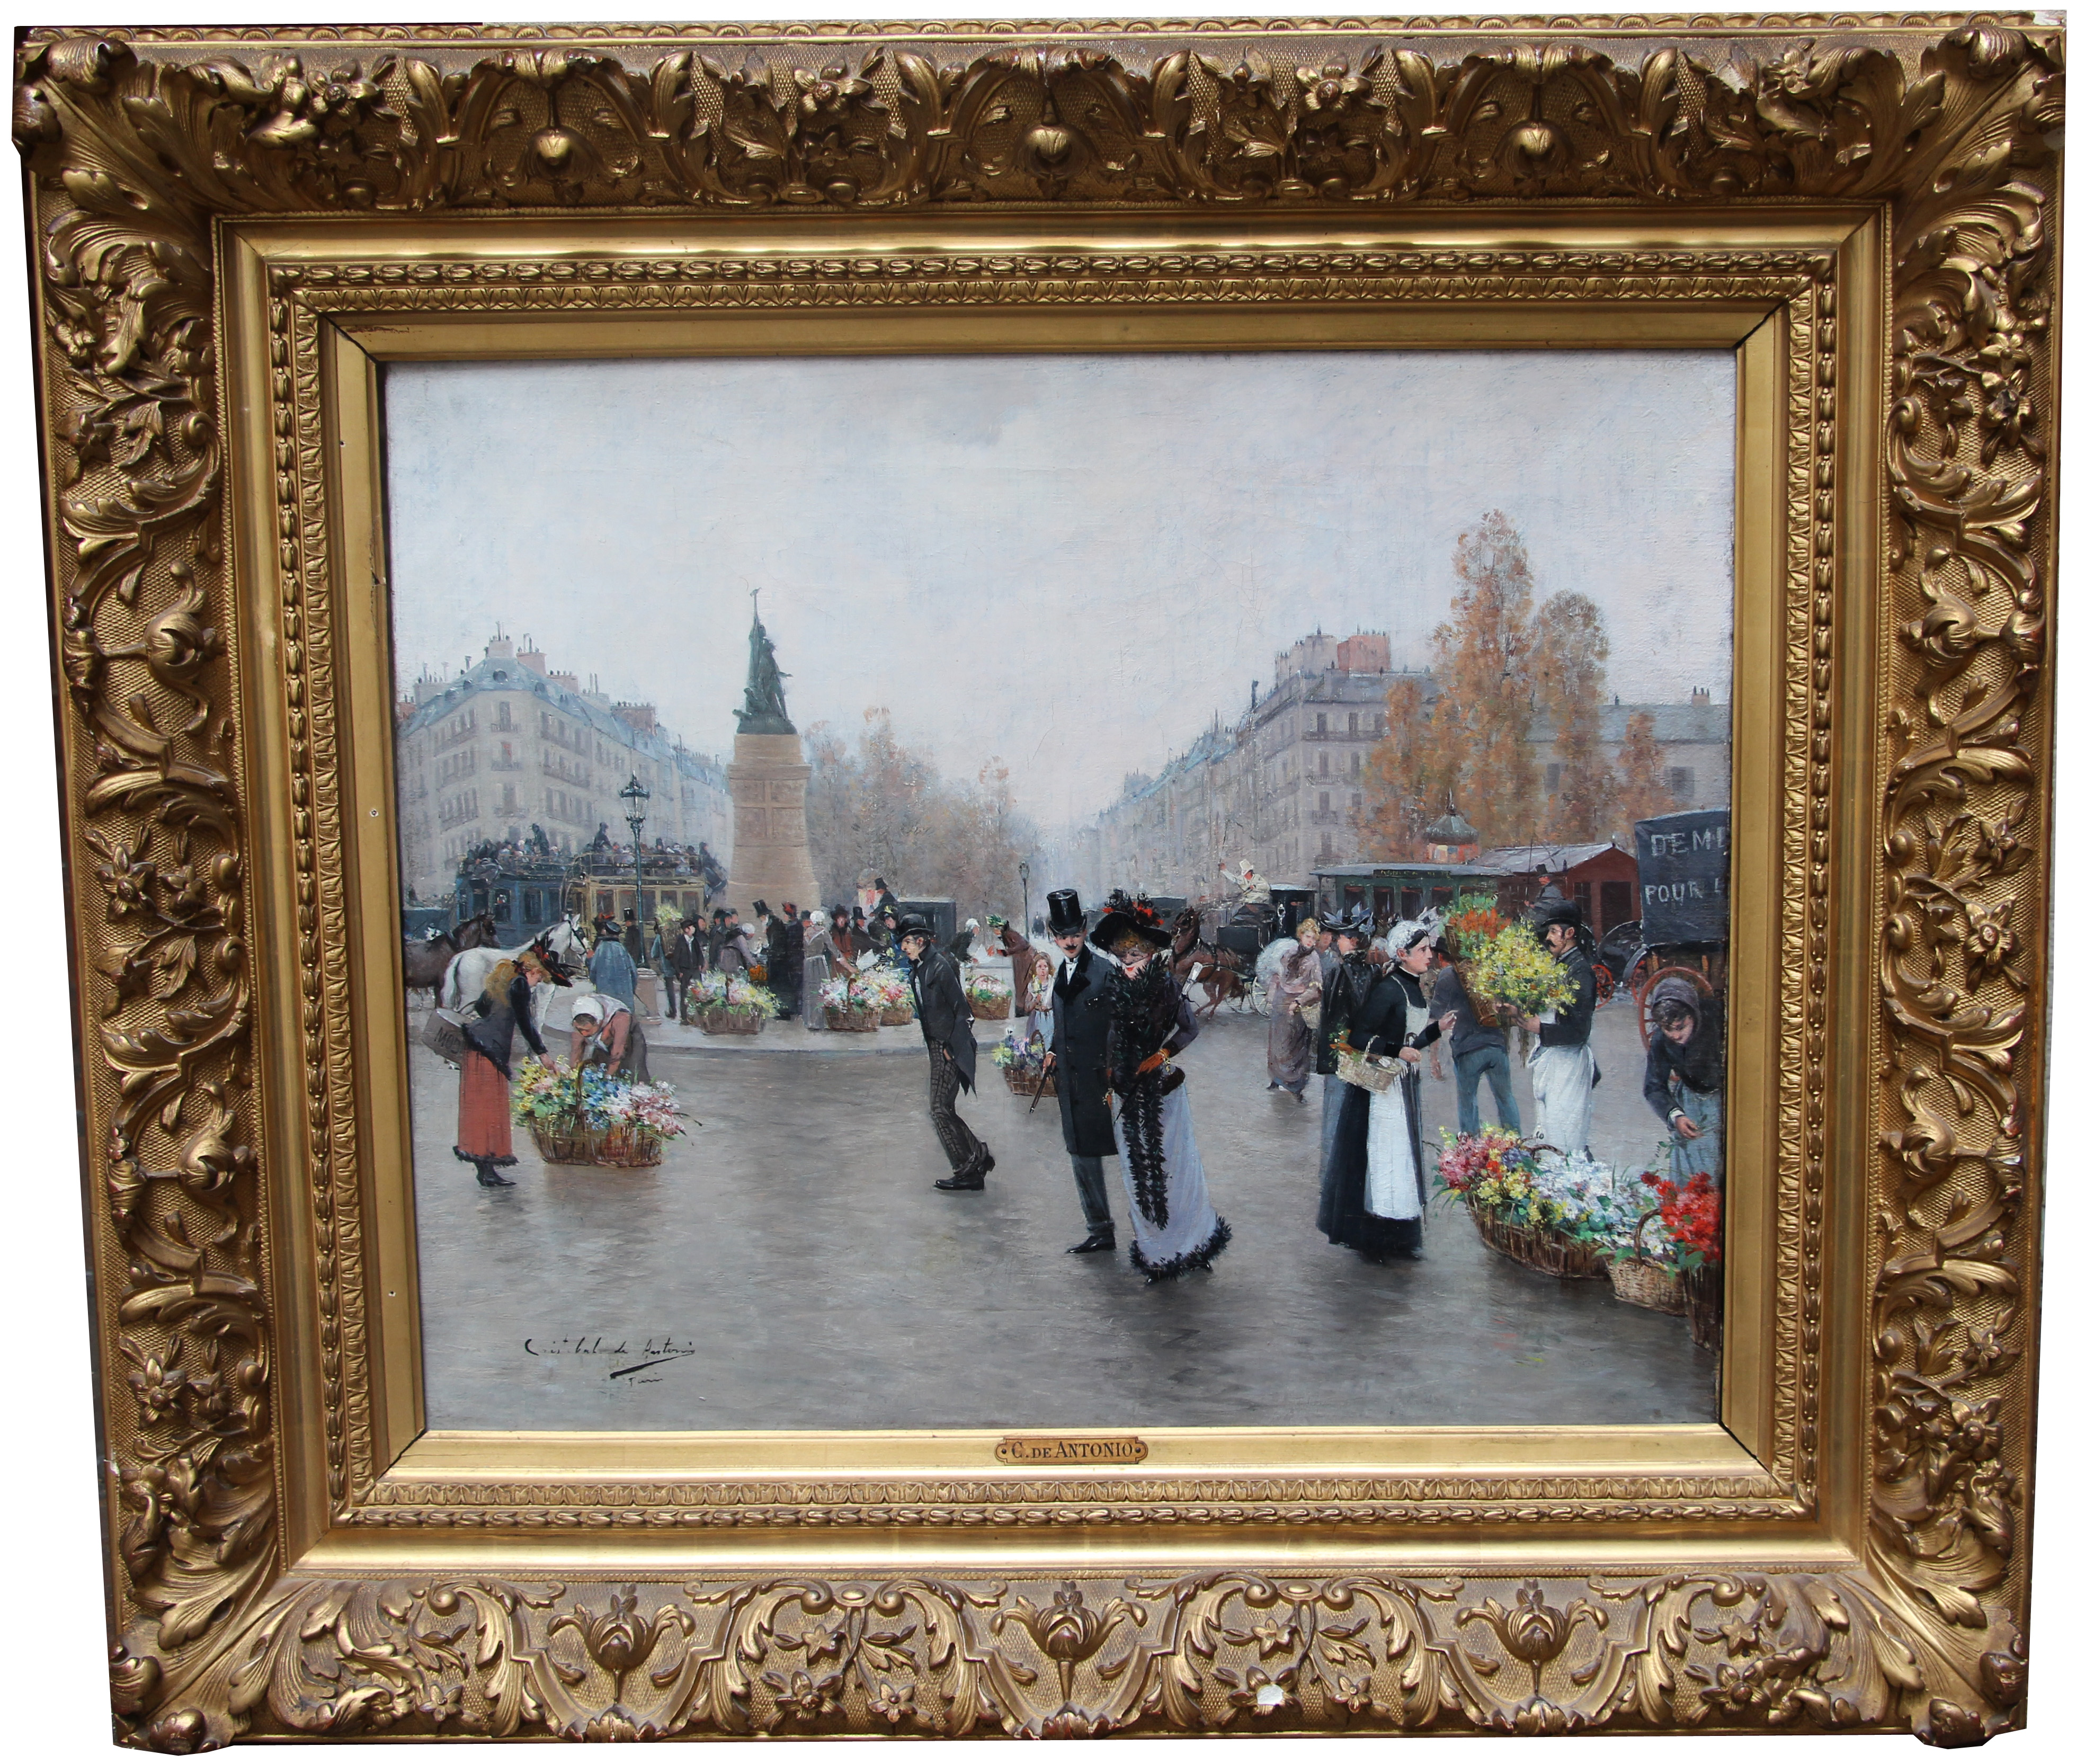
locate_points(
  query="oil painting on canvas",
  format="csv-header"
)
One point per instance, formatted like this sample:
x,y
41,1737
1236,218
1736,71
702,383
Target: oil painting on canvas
x,y
1066,891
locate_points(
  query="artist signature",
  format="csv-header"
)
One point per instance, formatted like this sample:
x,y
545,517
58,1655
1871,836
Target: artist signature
x,y
643,1354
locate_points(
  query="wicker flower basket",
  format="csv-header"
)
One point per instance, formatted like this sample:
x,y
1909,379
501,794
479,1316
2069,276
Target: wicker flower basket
x,y
1546,1252
854,1023
1704,1288
1029,1083
991,1010
897,1016
1639,1281
719,1021
617,1148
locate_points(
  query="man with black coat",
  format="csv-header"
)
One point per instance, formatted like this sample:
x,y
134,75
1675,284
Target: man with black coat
x,y
945,1020
1078,1017
686,957
785,959
1563,1069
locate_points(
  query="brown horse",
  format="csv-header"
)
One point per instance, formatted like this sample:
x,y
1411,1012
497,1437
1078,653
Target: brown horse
x,y
427,958
1220,971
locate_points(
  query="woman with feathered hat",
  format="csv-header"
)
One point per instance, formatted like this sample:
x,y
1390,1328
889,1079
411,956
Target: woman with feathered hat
x,y
1374,1190
1176,1227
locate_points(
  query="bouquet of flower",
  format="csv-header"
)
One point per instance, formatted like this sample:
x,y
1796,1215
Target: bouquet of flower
x,y
587,1117
1016,1053
1512,968
1475,921
1545,1209
1690,1220
837,993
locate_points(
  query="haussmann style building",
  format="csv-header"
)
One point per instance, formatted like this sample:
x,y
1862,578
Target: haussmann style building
x,y
509,744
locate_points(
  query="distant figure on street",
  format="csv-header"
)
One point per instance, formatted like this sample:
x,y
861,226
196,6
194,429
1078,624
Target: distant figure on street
x,y
1295,985
734,950
945,1022
613,972
821,956
687,958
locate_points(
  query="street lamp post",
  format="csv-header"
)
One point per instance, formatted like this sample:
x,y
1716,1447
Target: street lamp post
x,y
1025,922
637,795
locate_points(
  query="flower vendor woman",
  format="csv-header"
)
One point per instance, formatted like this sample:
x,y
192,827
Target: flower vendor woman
x,y
605,1033
1683,1076
1176,1227
485,1126
1372,1199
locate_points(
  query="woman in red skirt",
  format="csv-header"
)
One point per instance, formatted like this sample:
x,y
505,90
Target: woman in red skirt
x,y
485,1119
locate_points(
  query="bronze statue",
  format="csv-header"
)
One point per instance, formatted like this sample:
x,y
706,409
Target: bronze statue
x,y
764,712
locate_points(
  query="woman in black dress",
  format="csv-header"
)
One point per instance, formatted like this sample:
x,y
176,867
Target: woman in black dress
x,y
1374,1193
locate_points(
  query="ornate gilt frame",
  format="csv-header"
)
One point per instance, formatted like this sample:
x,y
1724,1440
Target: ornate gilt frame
x,y
231,227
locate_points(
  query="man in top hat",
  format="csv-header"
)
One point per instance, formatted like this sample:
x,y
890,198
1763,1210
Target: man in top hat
x,y
945,1020
1563,1069
1078,1017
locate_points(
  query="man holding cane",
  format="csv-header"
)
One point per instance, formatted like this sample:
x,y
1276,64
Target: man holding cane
x,y
1078,1017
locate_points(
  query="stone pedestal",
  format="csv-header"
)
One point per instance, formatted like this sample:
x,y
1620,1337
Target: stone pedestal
x,y
770,851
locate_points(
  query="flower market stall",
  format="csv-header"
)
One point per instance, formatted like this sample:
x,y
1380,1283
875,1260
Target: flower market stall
x,y
732,1004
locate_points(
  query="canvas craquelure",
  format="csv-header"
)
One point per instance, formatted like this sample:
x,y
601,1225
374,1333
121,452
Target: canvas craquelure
x,y
1869,1562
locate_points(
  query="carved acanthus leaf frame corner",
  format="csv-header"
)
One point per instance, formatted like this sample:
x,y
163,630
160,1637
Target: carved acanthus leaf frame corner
x,y
137,145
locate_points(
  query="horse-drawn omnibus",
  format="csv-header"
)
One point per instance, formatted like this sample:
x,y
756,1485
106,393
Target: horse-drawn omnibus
x,y
1390,891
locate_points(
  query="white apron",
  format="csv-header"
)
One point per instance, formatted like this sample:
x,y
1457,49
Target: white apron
x,y
1393,1191
1563,1080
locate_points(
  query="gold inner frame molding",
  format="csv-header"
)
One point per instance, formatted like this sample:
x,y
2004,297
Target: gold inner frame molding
x,y
234,228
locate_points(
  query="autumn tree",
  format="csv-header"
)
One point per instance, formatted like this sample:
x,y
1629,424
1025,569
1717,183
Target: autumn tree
x,y
1483,660
1568,666
1410,773
877,807
1641,792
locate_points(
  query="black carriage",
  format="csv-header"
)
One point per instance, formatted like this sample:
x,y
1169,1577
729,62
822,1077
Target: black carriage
x,y
1684,870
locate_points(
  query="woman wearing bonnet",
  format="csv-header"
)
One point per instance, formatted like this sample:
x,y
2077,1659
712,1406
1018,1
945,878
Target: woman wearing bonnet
x,y
1683,1075
1375,1192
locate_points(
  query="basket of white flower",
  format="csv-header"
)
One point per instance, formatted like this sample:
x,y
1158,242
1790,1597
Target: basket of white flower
x,y
992,997
848,1008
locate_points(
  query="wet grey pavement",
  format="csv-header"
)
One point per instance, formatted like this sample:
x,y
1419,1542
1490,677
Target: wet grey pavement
x,y
790,1265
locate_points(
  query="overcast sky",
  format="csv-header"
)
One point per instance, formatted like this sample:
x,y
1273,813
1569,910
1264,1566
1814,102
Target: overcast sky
x,y
1071,561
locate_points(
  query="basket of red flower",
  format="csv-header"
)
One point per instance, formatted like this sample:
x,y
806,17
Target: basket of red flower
x,y
1692,1219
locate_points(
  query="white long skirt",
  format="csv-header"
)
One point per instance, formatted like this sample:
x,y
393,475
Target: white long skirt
x,y
1563,1080
1194,1234
1393,1191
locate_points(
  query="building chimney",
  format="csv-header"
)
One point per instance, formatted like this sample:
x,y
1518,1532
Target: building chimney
x,y
503,647
531,657
569,682
638,716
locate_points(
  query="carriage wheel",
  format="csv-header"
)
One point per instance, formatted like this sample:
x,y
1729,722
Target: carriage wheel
x,y
1603,982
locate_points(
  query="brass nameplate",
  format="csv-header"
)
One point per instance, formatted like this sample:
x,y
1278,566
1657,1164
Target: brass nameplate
x,y
1050,1449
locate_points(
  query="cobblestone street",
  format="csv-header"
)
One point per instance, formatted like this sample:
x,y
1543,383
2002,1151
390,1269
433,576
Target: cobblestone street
x,y
790,1265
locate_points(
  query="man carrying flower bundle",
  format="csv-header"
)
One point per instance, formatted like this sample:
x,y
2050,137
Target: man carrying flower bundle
x,y
1563,1068
1477,1048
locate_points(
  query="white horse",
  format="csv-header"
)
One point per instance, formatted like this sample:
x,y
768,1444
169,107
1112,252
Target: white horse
x,y
562,948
